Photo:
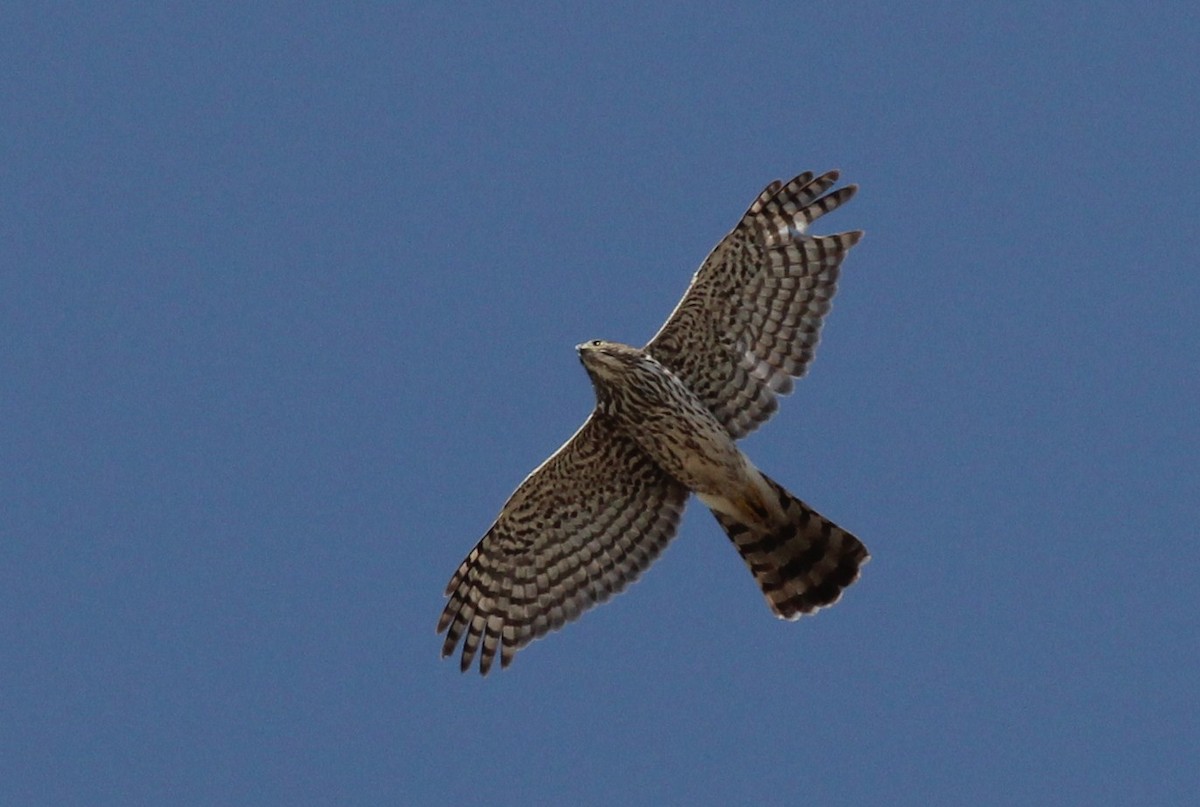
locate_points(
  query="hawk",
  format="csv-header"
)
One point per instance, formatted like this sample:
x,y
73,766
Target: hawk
x,y
591,518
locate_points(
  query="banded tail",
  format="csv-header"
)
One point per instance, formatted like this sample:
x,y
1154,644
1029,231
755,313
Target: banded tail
x,y
802,563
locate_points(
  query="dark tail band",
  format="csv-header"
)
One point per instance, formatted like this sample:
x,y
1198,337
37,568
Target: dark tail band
x,y
802,564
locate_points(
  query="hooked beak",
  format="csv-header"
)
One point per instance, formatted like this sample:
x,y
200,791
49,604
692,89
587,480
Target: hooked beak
x,y
585,351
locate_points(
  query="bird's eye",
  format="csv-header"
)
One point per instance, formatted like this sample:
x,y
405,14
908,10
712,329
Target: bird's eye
x,y
595,343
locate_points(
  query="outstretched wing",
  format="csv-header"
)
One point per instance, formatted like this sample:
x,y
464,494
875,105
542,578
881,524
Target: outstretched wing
x,y
751,318
580,528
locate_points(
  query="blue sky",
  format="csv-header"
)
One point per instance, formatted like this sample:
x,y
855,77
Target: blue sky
x,y
289,297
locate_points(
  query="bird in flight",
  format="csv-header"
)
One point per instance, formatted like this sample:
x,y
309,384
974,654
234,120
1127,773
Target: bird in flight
x,y
587,521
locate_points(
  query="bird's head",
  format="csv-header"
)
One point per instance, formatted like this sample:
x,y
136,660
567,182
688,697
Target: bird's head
x,y
608,362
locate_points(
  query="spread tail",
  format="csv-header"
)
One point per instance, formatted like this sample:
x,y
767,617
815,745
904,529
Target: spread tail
x,y
802,563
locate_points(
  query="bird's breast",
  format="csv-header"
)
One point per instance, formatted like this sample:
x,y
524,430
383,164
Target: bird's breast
x,y
683,438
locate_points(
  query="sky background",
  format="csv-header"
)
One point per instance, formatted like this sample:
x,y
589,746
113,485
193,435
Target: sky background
x,y
288,301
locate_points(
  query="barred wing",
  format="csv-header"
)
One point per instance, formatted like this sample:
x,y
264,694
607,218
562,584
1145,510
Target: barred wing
x,y
750,321
580,528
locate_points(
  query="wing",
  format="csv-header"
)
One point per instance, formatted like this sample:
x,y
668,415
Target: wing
x,y
751,318
580,528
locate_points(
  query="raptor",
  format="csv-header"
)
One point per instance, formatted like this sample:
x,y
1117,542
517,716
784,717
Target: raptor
x,y
592,517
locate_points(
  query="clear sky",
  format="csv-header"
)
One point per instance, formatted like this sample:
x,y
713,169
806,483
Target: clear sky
x,y
288,301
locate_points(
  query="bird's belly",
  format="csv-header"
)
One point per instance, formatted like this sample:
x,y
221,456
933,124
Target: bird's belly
x,y
697,451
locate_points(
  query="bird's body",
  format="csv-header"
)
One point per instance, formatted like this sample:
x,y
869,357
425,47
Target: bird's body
x,y
649,403
592,517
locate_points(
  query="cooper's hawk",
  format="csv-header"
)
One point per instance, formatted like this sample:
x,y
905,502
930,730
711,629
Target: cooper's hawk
x,y
594,515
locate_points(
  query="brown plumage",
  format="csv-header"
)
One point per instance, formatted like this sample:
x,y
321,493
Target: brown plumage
x,y
594,515
802,562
